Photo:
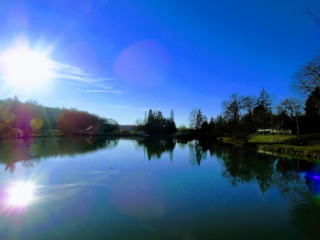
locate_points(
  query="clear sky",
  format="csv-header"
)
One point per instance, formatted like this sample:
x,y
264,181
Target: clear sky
x,y
120,58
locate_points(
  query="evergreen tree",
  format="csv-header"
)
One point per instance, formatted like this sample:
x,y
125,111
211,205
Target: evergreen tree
x,y
157,124
312,107
199,120
220,126
262,112
172,115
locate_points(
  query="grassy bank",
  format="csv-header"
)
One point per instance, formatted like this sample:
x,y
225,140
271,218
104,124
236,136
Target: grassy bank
x,y
306,146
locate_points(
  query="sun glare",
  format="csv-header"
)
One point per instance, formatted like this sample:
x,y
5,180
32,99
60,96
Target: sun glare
x,y
25,69
20,194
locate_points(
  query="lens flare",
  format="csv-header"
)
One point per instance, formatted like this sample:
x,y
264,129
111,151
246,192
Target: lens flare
x,y
315,177
20,194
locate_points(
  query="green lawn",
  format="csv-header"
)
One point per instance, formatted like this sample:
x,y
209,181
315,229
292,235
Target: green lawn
x,y
303,140
306,146
258,139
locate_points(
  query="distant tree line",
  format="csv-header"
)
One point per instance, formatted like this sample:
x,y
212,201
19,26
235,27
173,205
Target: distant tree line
x,y
243,115
156,124
24,119
73,121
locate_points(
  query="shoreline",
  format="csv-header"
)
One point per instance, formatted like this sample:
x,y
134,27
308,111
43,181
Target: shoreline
x,y
282,148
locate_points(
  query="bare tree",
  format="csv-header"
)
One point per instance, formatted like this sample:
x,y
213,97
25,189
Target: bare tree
x,y
249,103
293,108
193,118
232,109
307,78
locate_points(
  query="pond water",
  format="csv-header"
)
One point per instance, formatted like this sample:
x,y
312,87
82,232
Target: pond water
x,y
95,188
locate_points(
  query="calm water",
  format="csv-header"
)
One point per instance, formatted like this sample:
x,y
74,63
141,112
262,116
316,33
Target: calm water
x,y
160,189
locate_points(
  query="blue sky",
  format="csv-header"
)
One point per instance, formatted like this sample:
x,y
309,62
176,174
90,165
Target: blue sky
x,y
121,58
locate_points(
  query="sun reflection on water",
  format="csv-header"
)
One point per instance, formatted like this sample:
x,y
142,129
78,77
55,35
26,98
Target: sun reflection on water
x,y
20,194
17,196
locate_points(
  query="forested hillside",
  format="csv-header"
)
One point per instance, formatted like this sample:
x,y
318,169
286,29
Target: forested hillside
x,y
18,119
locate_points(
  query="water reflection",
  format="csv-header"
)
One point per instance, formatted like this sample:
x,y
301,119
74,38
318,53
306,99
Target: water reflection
x,y
197,152
16,196
30,151
20,194
305,210
154,148
297,181
139,193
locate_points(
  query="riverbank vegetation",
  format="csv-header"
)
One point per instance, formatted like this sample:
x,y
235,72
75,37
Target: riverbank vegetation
x,y
305,146
256,121
242,119
30,119
156,124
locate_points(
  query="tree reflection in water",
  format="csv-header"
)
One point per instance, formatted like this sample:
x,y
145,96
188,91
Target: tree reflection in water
x,y
306,207
30,151
154,147
298,181
197,153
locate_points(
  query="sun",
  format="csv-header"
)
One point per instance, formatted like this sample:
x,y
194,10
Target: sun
x,y
25,69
